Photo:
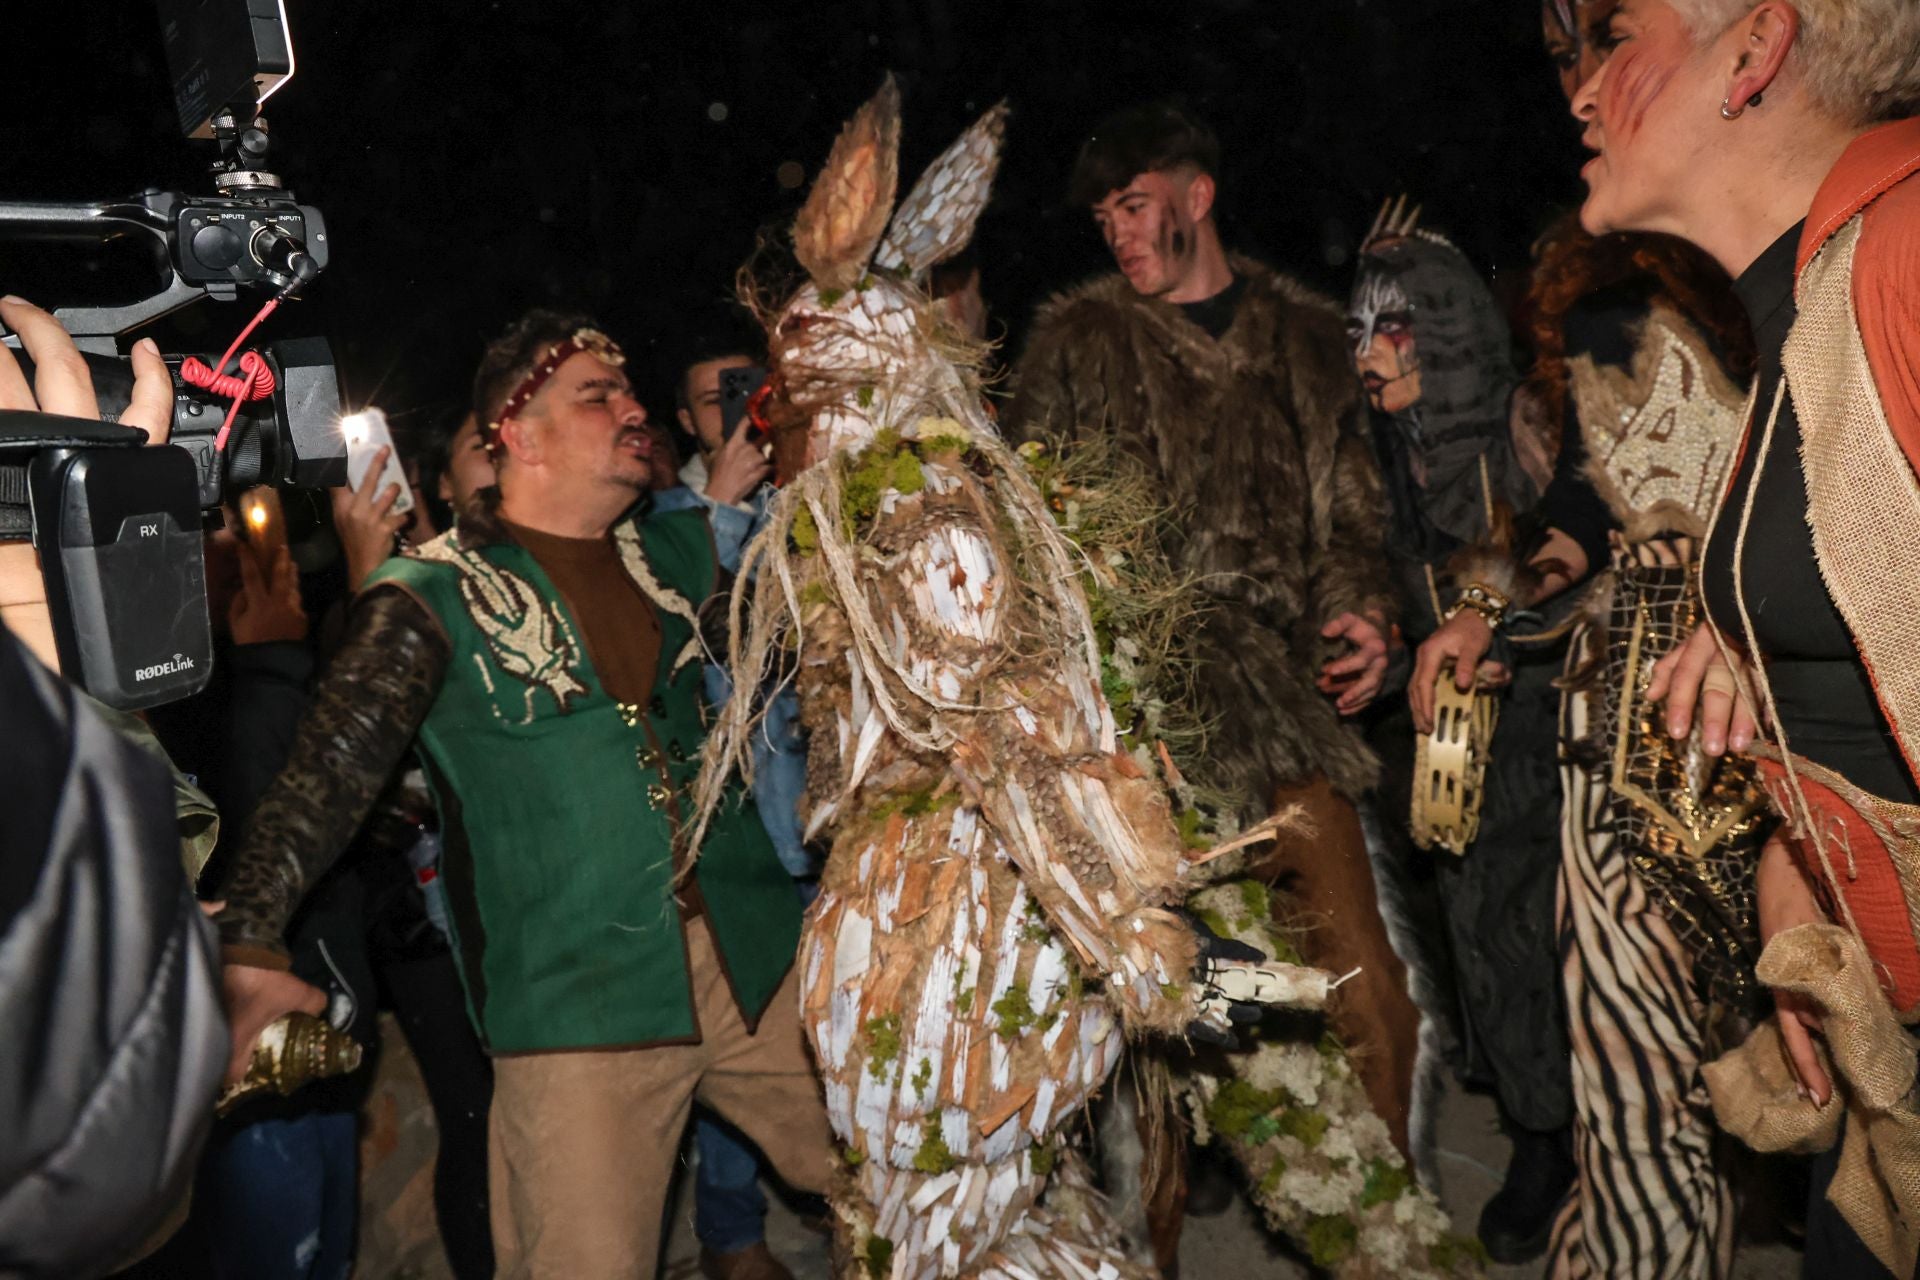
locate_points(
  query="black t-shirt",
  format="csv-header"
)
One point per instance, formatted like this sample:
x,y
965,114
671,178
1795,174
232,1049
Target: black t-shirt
x,y
1215,314
1827,707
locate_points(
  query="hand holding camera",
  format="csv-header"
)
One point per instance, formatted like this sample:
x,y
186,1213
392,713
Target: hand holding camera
x,y
62,386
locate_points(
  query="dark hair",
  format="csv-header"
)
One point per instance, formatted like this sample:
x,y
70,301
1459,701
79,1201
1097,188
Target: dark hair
x,y
950,274
1150,138
512,355
721,332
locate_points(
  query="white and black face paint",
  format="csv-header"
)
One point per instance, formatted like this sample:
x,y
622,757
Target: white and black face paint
x,y
1375,294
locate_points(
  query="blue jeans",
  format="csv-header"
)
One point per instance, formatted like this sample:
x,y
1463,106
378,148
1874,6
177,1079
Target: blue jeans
x,y
280,1198
729,1209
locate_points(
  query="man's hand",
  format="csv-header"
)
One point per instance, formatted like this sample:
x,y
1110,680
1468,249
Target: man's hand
x,y
1697,677
737,467
1356,677
1463,641
366,521
1786,901
255,998
267,607
63,385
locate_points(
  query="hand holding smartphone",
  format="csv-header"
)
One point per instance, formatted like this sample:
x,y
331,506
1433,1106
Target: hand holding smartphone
x,y
737,387
366,434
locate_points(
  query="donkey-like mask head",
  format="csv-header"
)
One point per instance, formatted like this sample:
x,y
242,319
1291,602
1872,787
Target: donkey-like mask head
x,y
854,350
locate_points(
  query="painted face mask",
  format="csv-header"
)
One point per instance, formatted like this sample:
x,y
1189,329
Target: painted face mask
x,y
1380,336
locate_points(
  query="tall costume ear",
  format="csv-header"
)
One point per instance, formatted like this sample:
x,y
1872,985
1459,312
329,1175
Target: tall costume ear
x,y
847,209
937,218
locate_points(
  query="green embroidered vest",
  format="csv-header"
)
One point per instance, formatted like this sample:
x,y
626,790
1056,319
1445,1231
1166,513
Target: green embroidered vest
x,y
557,805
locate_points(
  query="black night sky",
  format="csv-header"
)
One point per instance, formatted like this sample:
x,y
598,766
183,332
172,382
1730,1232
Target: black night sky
x,y
474,157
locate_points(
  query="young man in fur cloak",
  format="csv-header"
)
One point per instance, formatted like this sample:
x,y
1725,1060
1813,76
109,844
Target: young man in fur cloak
x,y
1231,383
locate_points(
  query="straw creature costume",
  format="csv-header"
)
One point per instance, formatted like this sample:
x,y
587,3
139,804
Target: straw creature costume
x,y
995,908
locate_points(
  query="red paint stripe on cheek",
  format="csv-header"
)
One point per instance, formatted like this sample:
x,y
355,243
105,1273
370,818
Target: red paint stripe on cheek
x,y
1634,83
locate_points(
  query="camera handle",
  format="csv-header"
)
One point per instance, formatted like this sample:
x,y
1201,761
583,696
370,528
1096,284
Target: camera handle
x,y
202,246
151,215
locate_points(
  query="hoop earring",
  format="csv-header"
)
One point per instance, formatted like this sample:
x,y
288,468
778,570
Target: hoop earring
x,y
1727,112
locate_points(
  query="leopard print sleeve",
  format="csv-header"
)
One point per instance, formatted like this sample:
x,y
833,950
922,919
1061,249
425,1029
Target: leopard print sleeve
x,y
364,715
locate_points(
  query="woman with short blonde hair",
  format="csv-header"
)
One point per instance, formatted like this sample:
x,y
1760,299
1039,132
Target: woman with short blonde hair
x,y
1779,137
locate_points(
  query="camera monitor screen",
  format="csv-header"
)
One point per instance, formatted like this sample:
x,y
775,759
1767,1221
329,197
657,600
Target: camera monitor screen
x,y
223,52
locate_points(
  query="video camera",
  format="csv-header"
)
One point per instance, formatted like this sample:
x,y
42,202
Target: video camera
x,y
118,526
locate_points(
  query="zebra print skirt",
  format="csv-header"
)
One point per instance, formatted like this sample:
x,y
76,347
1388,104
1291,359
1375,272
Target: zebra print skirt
x,y
1657,941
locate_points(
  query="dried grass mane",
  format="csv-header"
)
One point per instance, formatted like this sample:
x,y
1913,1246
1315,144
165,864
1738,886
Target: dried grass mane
x,y
1043,566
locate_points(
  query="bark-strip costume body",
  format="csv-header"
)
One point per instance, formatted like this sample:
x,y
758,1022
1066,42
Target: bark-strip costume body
x,y
994,910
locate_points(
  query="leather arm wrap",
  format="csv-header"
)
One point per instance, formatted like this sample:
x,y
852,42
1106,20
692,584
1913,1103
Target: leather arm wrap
x,y
364,715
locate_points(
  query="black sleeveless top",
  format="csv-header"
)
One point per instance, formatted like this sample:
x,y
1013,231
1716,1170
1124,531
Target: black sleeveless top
x,y
1827,706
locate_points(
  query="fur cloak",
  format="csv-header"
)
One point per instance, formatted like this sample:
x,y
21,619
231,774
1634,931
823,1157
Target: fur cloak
x,y
1257,439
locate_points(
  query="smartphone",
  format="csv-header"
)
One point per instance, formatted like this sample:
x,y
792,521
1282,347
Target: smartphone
x,y
737,386
263,521
366,434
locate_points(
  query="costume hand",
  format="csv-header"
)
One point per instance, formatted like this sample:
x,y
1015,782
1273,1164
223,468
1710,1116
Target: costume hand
x,y
1218,1012
1697,677
366,522
255,997
1356,677
1463,641
63,385
267,607
738,467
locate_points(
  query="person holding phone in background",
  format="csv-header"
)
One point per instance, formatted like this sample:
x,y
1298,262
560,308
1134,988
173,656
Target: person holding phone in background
x,y
727,476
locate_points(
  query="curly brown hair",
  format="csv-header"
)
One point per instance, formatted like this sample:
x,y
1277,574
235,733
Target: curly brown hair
x,y
1570,264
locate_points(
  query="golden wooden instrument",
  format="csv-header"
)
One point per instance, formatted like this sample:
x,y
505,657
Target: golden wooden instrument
x,y
1450,766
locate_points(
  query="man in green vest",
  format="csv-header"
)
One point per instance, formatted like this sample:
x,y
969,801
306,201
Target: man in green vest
x,y
546,655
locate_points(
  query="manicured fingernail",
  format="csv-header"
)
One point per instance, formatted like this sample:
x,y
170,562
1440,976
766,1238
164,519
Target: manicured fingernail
x,y
1802,1091
147,345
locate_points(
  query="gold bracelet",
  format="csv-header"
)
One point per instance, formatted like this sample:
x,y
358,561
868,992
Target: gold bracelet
x,y
1491,605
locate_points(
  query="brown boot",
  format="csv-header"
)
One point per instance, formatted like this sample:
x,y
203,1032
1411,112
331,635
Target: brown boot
x,y
1329,877
755,1262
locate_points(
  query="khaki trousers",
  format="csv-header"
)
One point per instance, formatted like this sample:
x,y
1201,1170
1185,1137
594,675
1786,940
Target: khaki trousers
x,y
582,1144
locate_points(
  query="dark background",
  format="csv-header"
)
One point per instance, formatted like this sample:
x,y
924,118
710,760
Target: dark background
x,y
474,157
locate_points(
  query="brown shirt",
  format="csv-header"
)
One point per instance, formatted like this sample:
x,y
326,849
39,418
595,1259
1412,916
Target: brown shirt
x,y
622,634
